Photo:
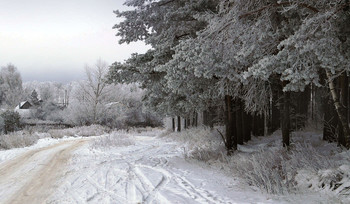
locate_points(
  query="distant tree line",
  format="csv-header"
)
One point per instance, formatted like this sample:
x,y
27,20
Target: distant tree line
x,y
87,102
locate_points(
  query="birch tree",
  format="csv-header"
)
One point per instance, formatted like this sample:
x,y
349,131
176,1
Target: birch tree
x,y
11,90
90,96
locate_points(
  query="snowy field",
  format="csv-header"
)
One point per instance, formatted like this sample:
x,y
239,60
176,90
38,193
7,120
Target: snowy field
x,y
123,168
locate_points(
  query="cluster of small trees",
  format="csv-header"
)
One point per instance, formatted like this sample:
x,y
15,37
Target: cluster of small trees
x,y
91,101
267,62
97,102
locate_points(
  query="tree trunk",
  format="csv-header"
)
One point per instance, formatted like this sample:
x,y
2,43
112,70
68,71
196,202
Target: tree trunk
x,y
341,111
275,109
173,123
178,123
286,120
205,118
248,126
195,119
230,146
234,128
258,125
255,125
344,98
330,117
244,127
211,117
266,128
239,131
301,101
327,120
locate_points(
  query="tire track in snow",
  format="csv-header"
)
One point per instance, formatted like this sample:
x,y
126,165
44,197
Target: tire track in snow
x,y
151,190
144,173
101,189
195,192
160,165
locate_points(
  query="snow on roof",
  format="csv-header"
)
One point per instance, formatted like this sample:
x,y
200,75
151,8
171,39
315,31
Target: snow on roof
x,y
21,104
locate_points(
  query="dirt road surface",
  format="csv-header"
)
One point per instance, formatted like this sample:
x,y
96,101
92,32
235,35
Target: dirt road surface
x,y
31,177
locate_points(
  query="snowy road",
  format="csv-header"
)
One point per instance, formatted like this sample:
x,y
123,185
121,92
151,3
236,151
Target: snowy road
x,y
29,177
151,171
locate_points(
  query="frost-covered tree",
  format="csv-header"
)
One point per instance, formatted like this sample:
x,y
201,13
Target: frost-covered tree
x,y
260,56
161,24
317,43
250,46
33,98
10,86
91,94
11,121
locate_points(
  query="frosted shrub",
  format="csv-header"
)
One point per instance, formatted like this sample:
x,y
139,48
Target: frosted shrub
x,y
11,121
319,171
304,156
278,171
115,139
92,130
265,169
145,131
18,139
200,143
84,131
58,133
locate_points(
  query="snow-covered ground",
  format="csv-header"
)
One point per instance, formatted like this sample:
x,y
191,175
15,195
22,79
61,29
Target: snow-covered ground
x,y
149,170
122,168
28,175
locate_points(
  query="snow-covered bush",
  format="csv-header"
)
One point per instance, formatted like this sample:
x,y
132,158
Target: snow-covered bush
x,y
265,169
84,131
92,130
310,164
200,143
336,180
11,121
48,111
307,165
145,131
18,139
114,139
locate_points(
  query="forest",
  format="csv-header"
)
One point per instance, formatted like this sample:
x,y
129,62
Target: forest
x,y
255,66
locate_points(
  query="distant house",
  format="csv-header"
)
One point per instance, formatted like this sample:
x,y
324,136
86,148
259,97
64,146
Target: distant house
x,y
24,105
24,109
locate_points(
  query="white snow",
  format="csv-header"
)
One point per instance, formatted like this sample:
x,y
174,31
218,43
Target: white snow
x,y
141,168
6,155
150,171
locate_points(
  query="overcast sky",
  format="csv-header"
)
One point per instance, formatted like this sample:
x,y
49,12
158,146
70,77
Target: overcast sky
x,y
52,40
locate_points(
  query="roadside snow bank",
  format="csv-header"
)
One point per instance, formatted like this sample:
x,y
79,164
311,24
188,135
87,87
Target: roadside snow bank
x,y
20,139
29,137
6,155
